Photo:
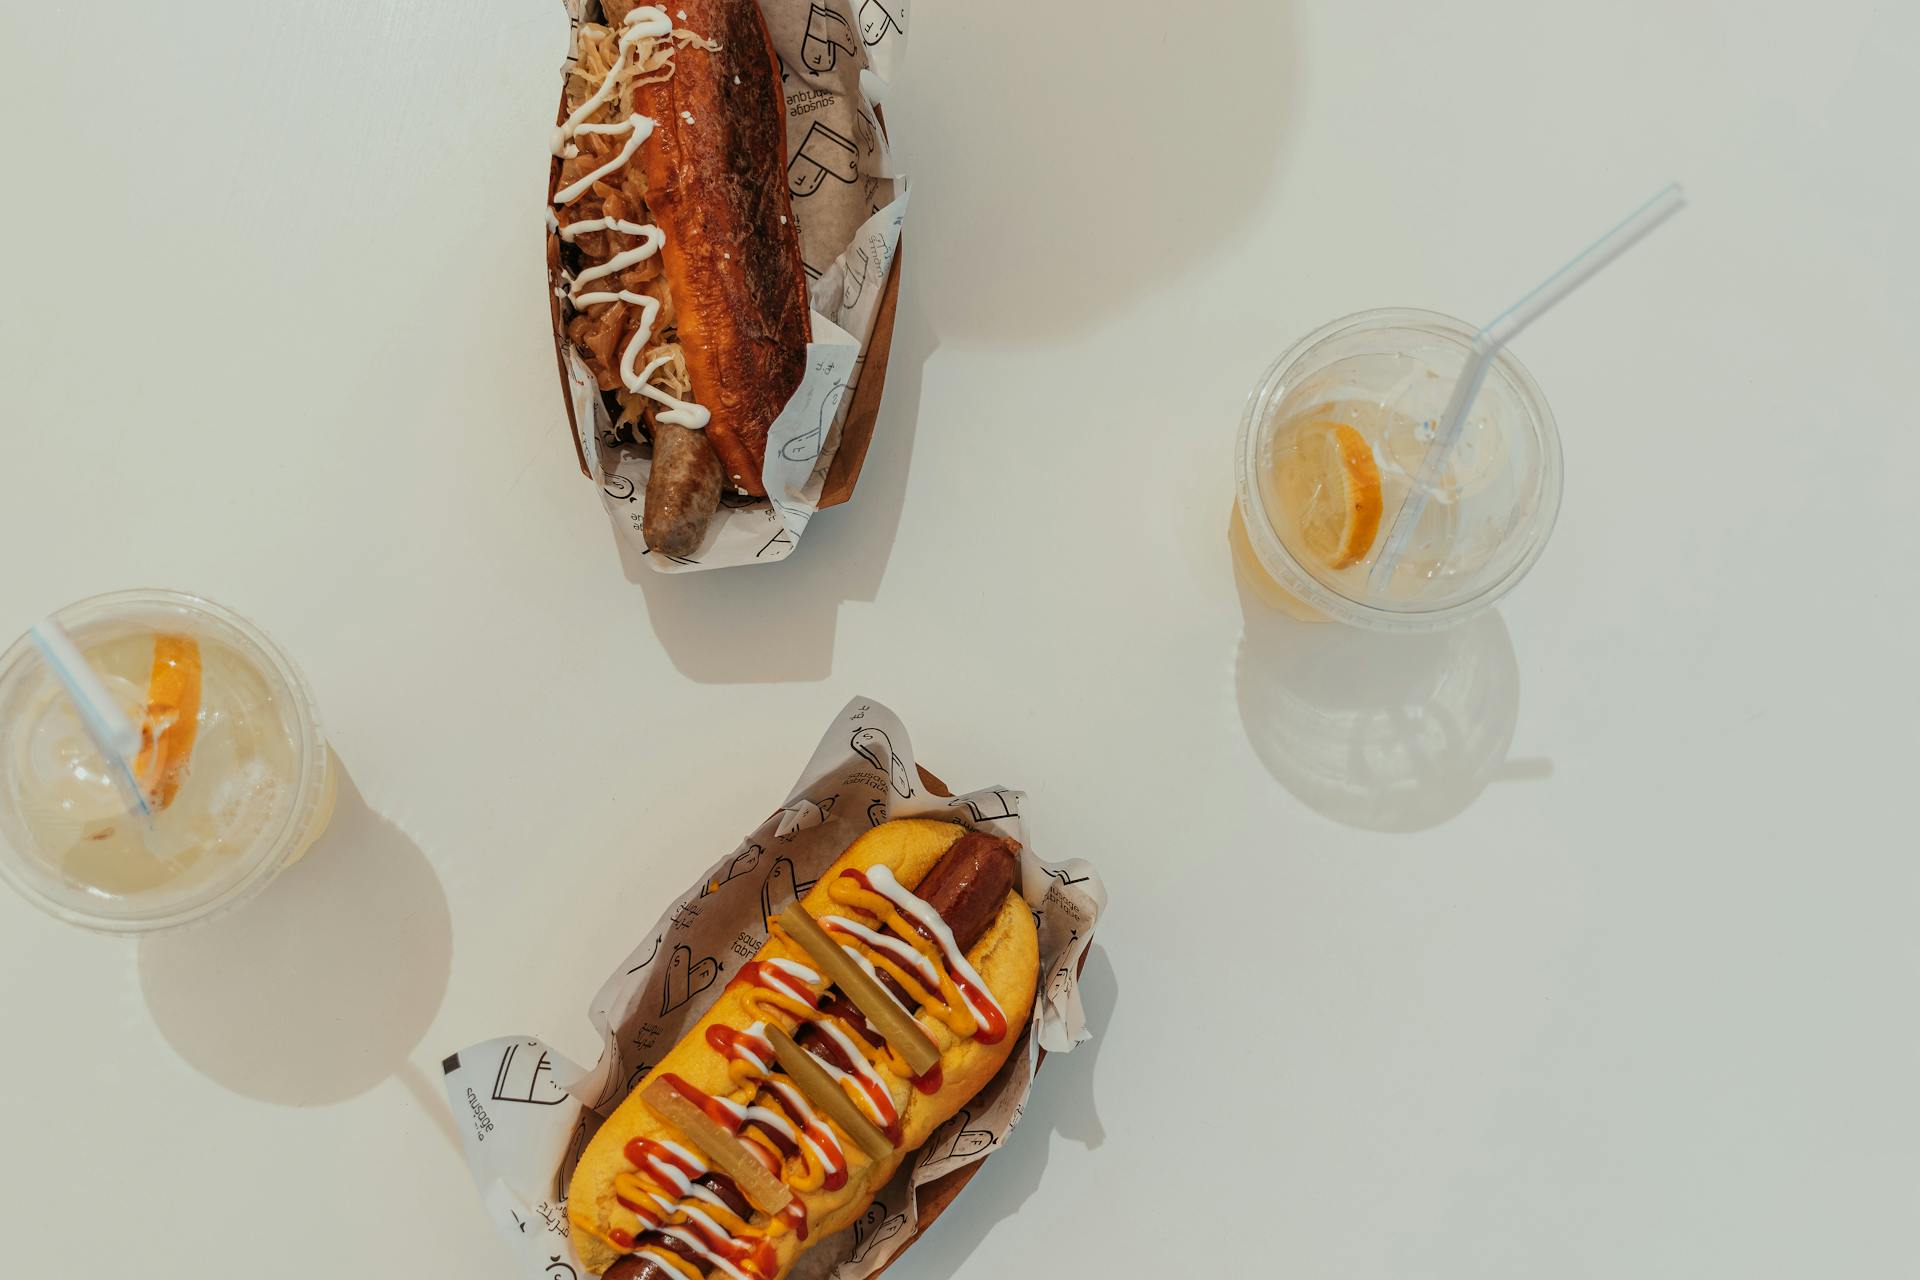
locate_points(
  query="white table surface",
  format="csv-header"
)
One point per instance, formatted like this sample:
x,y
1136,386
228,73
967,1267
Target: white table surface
x,y
1625,988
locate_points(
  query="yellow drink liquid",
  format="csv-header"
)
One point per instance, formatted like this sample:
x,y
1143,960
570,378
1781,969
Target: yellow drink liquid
x,y
239,779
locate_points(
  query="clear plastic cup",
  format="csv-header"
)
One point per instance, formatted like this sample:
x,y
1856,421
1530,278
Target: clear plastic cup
x,y
1330,445
251,795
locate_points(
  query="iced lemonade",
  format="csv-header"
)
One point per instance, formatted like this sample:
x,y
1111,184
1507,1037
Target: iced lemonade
x,y
231,765
1332,447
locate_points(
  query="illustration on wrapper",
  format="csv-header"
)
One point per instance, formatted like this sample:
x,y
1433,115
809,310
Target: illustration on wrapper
x,y
862,772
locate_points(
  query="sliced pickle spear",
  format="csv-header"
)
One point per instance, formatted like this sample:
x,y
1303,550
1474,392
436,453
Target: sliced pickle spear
x,y
825,1093
768,1193
893,1023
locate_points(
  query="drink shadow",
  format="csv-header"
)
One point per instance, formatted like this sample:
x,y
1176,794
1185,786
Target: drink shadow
x,y
1383,732
317,990
1062,1102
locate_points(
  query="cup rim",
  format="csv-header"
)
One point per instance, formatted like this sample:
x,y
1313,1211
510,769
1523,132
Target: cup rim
x,y
1297,578
272,851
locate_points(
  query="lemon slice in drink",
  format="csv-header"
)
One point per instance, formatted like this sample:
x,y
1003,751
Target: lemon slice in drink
x,y
1328,485
172,721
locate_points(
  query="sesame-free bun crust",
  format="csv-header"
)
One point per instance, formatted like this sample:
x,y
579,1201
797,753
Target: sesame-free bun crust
x,y
1007,958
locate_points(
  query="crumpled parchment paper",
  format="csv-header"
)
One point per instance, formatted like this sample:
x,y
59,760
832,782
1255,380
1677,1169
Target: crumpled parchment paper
x,y
525,1113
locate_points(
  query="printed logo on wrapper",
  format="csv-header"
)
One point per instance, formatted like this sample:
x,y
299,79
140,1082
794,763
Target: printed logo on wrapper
x,y
541,1108
880,19
824,153
794,473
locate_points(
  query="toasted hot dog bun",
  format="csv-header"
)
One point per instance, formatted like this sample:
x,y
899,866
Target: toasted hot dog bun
x,y
716,168
685,294
1007,958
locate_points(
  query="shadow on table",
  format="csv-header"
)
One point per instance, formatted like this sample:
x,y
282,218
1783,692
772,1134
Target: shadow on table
x,y
317,990
776,622
1062,1101
1142,142
1383,732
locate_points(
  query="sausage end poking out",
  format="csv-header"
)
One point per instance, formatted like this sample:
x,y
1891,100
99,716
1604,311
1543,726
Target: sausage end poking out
x,y
968,884
683,490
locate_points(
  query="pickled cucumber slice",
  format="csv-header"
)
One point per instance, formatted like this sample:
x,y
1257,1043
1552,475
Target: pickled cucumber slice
x,y
895,1025
767,1193
825,1093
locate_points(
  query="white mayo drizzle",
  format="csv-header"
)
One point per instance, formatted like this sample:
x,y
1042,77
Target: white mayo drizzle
x,y
757,1034
679,413
738,1110
699,1246
874,973
665,1259
796,971
638,129
670,1207
706,1220
881,878
701,1191
773,1120
894,948
645,23
883,1115
796,1104
676,1178
650,236
699,1165
685,1188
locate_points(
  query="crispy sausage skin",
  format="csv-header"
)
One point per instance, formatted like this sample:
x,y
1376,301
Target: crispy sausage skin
x,y
968,884
683,490
635,1267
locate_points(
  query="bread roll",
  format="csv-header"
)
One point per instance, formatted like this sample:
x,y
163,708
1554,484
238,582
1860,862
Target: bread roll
x,y
1005,958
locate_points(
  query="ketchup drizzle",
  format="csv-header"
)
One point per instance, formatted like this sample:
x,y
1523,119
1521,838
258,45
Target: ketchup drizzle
x,y
647,1214
838,1006
759,1258
991,1024
719,1114
739,1046
649,1156
759,973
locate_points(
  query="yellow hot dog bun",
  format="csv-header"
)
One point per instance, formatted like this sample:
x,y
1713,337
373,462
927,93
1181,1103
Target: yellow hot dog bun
x,y
1006,958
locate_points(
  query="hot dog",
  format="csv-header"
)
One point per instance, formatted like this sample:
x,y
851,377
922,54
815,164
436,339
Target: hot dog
x,y
928,906
684,285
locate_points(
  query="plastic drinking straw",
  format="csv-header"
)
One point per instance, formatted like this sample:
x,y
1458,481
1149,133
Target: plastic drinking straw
x,y
105,723
1487,344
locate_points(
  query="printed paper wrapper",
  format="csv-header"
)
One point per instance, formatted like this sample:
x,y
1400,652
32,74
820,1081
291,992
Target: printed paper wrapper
x,y
848,203
526,1113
